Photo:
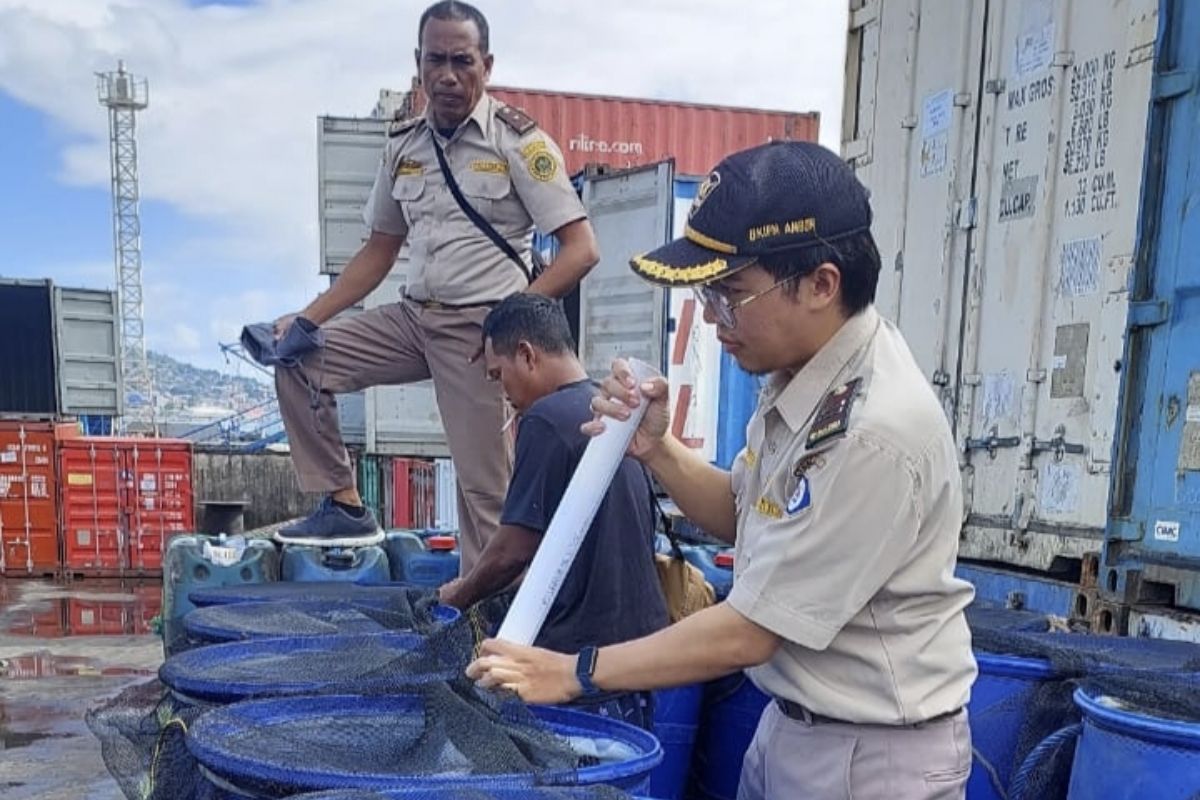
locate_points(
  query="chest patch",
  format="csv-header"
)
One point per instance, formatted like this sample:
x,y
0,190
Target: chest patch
x,y
408,166
833,415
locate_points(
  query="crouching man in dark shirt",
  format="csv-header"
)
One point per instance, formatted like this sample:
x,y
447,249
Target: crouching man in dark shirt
x,y
611,593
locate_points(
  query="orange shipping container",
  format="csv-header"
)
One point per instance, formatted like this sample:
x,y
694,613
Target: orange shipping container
x,y
631,132
122,500
28,489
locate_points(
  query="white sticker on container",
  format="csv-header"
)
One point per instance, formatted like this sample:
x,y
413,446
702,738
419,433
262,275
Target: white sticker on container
x,y
8,457
1060,362
83,537
936,114
1035,42
149,483
1193,414
87,616
1166,531
1060,488
1079,267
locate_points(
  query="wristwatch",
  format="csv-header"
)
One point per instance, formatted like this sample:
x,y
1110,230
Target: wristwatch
x,y
585,670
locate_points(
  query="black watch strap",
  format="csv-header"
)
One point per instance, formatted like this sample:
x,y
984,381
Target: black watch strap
x,y
585,670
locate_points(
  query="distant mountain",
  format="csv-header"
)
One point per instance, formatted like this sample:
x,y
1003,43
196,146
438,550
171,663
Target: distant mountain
x,y
182,387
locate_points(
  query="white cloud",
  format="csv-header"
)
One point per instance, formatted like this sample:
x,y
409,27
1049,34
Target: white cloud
x,y
230,134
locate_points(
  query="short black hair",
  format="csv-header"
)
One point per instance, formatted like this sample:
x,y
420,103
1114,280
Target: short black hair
x,y
855,256
456,11
528,317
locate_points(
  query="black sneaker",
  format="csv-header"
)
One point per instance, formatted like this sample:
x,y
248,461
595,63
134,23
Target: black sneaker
x,y
331,526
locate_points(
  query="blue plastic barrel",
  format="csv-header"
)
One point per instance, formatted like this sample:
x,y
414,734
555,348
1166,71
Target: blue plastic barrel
x,y
241,621
236,671
185,570
422,560
348,564
733,707
218,740
676,720
1000,703
1126,755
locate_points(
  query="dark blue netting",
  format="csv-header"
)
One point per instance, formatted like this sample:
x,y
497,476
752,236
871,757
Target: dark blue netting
x,y
363,615
234,671
440,736
541,793
1024,695
293,591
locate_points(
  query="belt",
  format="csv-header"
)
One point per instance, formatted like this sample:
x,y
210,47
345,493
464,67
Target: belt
x,y
801,714
436,305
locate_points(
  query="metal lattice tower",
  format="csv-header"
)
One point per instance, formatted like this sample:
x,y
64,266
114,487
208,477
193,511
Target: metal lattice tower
x,y
124,95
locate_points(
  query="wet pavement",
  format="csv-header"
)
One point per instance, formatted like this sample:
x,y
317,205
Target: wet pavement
x,y
63,648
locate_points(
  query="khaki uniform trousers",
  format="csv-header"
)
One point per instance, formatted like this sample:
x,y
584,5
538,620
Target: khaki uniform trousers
x,y
395,344
794,760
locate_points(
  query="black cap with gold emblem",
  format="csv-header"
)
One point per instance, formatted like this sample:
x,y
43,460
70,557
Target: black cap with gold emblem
x,y
763,201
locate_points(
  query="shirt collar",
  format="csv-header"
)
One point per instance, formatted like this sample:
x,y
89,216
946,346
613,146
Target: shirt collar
x,y
796,398
481,114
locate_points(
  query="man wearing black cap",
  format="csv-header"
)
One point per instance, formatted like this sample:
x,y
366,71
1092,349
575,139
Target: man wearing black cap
x,y
845,506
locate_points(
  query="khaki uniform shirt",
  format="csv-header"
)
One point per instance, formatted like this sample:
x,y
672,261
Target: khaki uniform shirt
x,y
849,506
515,181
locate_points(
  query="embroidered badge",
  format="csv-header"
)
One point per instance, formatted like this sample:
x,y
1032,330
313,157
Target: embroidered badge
x,y
750,456
801,498
542,166
408,166
833,415
706,188
768,508
491,167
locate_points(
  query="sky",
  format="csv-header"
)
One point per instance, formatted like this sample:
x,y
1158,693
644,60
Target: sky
x,y
227,148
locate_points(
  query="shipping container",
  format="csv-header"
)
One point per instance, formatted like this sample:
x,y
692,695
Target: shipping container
x,y
29,541
59,354
626,132
1032,171
121,501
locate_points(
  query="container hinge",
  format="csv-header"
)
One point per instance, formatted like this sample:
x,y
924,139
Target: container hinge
x,y
992,443
941,378
862,17
1168,85
966,215
996,86
1147,313
1058,445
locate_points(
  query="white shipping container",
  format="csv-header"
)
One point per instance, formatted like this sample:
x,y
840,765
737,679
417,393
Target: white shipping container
x,y
1003,145
445,495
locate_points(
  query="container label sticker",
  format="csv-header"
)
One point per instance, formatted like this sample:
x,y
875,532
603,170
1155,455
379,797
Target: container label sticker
x,y
149,483
6,482
1060,362
1018,198
936,114
39,486
1166,531
8,457
79,479
1079,267
1060,488
999,398
83,537
1193,414
1035,42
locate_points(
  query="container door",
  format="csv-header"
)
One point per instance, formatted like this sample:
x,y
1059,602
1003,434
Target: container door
x,y
622,315
1156,514
89,369
28,522
27,354
92,493
158,501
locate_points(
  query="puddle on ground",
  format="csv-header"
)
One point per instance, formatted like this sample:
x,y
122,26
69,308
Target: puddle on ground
x,y
44,664
49,610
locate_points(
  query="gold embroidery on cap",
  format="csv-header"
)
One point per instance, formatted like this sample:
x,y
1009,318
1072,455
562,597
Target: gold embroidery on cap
x,y
704,240
665,272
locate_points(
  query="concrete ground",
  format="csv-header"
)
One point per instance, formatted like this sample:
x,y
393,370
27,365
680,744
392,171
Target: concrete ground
x,y
62,650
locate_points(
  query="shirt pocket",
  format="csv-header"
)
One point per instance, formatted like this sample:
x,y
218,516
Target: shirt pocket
x,y
493,197
409,192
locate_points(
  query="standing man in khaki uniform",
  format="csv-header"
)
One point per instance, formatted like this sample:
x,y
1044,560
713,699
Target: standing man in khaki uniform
x,y
845,505
510,174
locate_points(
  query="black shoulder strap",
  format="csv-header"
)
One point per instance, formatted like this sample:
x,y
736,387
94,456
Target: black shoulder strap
x,y
474,215
668,527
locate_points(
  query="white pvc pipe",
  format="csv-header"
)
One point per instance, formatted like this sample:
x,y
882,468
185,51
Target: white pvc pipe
x,y
571,521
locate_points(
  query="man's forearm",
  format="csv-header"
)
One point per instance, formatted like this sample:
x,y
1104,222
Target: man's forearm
x,y
576,257
365,271
703,492
706,645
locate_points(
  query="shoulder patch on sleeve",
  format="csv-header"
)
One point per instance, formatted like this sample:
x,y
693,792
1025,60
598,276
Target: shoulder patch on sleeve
x,y
516,119
833,415
398,126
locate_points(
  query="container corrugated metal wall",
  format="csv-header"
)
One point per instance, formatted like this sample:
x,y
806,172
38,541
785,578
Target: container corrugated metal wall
x,y
121,502
29,542
1003,145
628,132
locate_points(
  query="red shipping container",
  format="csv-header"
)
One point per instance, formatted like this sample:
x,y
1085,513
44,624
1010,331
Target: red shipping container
x,y
413,494
28,488
631,132
122,501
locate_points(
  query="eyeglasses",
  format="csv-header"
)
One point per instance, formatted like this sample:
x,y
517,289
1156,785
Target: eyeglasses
x,y
723,308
